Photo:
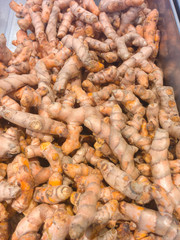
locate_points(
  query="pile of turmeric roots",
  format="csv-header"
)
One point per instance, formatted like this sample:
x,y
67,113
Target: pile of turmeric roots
x,y
89,135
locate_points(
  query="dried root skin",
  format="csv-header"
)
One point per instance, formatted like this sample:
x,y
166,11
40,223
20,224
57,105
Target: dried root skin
x,y
86,207
76,169
104,76
52,194
97,45
14,81
4,226
72,142
106,212
5,53
9,143
150,25
33,221
70,70
160,225
116,5
169,115
46,10
108,194
58,59
127,18
84,55
51,27
65,24
122,182
137,58
116,142
91,6
57,226
33,122
164,203
53,154
24,178
130,101
160,166
8,191
82,14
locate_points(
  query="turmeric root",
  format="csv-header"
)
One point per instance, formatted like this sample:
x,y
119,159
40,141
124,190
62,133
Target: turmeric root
x,y
51,27
65,74
86,207
20,172
82,14
9,143
160,166
5,53
106,75
65,24
33,221
46,10
115,5
127,18
98,45
13,82
52,194
33,122
150,27
122,182
130,101
84,55
139,215
57,227
91,6
8,191
168,114
4,227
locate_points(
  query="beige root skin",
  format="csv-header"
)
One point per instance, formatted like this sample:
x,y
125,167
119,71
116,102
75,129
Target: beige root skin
x,y
122,182
163,202
137,58
178,149
82,14
130,101
66,74
46,10
86,207
33,122
57,227
52,194
116,5
51,27
127,18
8,191
5,53
160,166
116,142
160,225
98,45
20,172
150,25
33,221
14,81
65,24
169,115
91,6
84,55
9,143
4,226
104,76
